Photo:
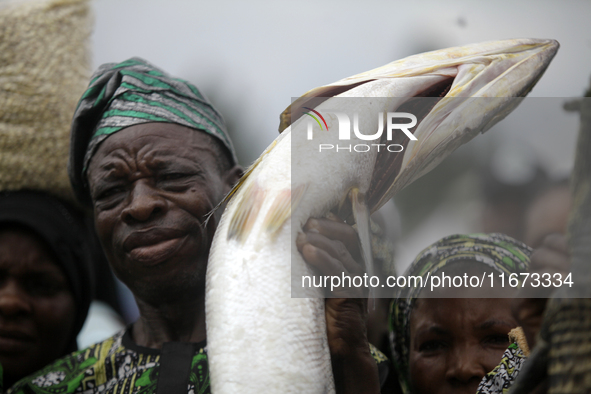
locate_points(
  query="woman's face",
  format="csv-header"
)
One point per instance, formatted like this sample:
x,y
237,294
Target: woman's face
x,y
37,308
454,342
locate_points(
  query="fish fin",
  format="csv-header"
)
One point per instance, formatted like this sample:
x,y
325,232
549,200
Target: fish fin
x,y
314,98
240,182
249,171
361,214
246,212
285,202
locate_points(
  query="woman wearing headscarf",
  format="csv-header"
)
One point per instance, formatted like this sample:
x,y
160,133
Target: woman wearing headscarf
x,y
45,281
459,345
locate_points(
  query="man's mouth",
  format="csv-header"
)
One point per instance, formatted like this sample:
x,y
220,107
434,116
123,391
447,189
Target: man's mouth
x,y
154,246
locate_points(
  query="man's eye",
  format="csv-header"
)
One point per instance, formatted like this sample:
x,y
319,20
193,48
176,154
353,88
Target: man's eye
x,y
109,192
173,176
432,346
176,182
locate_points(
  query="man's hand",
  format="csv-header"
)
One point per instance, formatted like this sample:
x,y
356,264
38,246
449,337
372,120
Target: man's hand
x,y
332,248
529,306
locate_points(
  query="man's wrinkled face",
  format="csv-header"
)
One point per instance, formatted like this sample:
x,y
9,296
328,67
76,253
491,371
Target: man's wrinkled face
x,y
151,186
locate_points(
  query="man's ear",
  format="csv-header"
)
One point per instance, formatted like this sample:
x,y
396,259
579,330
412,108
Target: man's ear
x,y
232,177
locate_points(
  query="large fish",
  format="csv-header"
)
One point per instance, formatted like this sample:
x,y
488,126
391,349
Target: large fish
x,y
260,339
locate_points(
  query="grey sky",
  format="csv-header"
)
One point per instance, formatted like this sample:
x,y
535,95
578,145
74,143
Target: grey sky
x,y
253,56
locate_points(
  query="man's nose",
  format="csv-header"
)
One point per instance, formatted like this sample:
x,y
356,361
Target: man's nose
x,y
145,203
464,367
14,300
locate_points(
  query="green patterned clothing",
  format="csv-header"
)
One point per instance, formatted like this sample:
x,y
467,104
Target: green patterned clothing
x,y
119,366
114,366
500,379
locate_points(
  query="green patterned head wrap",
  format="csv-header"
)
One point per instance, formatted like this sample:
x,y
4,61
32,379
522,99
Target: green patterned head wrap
x,y
130,93
497,252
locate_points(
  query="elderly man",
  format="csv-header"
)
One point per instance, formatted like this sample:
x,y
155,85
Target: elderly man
x,y
151,156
